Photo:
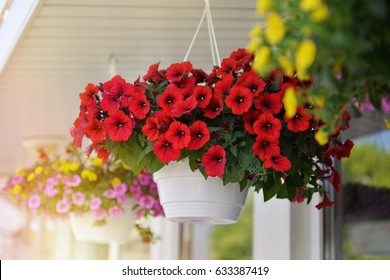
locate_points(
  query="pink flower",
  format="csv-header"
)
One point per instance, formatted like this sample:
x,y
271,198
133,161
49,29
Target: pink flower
x,y
115,211
139,214
120,189
122,199
78,198
63,206
50,191
110,193
95,203
144,179
135,188
73,181
146,201
100,214
34,202
17,180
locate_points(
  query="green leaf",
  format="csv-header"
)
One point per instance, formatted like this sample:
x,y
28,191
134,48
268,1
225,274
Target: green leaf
x,y
291,191
153,163
233,150
243,160
271,188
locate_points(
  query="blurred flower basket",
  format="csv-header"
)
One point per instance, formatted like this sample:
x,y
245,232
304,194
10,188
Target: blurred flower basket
x,y
104,200
232,126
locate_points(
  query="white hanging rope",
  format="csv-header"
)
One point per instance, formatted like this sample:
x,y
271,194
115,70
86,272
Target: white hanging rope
x,y
211,28
212,37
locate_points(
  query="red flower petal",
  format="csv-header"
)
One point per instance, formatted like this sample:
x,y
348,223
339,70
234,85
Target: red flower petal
x,y
214,161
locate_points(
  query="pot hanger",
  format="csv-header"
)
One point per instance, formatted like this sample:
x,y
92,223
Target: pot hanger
x,y
213,41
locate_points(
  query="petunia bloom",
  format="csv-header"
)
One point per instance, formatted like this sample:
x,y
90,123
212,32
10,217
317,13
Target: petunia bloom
x,y
239,100
151,128
138,105
164,150
300,122
179,135
119,126
268,103
176,72
200,135
249,119
202,95
96,131
278,163
268,124
266,146
214,161
168,99
215,106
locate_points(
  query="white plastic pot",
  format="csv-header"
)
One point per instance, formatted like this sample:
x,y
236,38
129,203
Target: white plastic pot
x,y
115,230
187,197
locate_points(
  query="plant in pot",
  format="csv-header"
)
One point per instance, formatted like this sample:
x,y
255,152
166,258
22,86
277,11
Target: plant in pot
x,y
342,45
231,128
104,201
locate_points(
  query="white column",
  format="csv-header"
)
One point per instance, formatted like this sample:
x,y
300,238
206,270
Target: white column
x,y
306,231
272,223
199,241
168,247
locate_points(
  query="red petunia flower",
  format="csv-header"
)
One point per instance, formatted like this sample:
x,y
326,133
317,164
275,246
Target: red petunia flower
x,y
116,94
298,195
243,58
151,128
215,106
200,135
334,179
78,131
278,162
176,72
168,99
228,66
88,97
178,134
268,124
153,74
249,119
184,107
268,103
253,83
326,202
96,131
164,150
139,106
203,95
223,87
239,100
214,161
185,86
300,122
266,146
337,149
200,76
119,126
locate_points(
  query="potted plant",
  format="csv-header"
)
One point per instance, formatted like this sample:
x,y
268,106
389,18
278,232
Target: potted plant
x,y
341,45
103,200
235,128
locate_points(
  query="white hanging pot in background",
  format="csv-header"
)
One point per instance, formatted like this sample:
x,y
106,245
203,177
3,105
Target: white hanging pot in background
x,y
115,230
187,197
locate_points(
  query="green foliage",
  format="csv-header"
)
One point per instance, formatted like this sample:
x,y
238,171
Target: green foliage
x,y
368,164
234,242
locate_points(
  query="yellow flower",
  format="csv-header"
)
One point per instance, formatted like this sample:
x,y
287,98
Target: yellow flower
x,y
320,14
30,177
18,172
309,5
387,122
73,166
275,28
125,166
115,181
253,45
261,58
97,161
290,102
90,175
255,32
64,166
318,101
305,55
287,65
321,137
263,6
16,189
38,170
24,195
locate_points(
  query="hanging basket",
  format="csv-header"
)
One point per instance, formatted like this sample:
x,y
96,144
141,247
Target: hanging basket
x,y
187,197
115,230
